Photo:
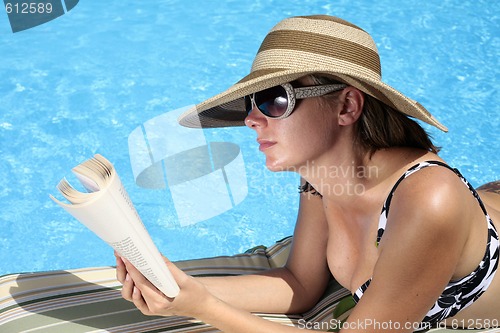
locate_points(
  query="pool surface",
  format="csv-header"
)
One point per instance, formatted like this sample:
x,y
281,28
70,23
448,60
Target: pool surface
x,y
80,85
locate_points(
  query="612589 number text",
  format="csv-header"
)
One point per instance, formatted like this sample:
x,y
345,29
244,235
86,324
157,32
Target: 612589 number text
x,y
28,8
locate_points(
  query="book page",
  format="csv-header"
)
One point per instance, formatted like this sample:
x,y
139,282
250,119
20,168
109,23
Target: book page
x,y
110,214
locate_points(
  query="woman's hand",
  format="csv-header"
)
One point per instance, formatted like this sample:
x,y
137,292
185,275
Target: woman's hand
x,y
192,300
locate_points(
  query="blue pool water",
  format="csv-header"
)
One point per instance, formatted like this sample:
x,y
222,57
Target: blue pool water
x,y
80,84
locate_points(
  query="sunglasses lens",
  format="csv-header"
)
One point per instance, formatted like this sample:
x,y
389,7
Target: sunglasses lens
x,y
272,102
248,104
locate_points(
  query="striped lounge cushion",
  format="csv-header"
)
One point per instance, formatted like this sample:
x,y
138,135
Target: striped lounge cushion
x,y
88,300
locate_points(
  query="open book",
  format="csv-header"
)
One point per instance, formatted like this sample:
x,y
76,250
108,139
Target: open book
x,y
108,212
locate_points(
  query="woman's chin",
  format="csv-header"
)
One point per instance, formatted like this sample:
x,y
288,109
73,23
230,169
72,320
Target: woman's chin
x,y
276,166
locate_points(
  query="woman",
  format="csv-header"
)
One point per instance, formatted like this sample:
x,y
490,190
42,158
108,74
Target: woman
x,y
316,102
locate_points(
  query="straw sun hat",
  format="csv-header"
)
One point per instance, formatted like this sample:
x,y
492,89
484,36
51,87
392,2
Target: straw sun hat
x,y
299,46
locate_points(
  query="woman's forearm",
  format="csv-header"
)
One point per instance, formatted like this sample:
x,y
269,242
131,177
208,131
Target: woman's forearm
x,y
273,291
229,319
194,300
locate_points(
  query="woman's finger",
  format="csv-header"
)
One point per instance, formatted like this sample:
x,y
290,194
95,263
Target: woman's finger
x,y
139,301
146,297
121,271
140,281
128,288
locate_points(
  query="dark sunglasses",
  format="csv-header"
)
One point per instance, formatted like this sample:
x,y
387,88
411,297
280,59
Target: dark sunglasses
x,y
279,102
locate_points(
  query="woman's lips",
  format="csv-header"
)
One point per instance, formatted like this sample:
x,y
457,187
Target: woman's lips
x,y
265,144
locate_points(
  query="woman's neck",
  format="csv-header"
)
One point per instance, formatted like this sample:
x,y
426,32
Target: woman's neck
x,y
337,175
352,176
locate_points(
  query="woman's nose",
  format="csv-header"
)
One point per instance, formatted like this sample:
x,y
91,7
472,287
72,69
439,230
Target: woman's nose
x,y
255,118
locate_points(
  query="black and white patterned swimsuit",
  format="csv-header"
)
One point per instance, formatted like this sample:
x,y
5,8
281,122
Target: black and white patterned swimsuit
x,y
461,293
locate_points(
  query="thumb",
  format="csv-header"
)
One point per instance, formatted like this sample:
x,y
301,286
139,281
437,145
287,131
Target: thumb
x,y
179,275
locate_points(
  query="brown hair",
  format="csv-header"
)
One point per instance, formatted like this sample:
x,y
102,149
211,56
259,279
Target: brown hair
x,y
381,126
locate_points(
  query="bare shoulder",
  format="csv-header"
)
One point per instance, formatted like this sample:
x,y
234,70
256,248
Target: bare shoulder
x,y
434,206
432,196
430,215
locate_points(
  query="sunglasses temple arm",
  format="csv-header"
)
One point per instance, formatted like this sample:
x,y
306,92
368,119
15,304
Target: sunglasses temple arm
x,y
315,91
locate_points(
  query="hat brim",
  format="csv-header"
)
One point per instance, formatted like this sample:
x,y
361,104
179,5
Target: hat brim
x,y
228,108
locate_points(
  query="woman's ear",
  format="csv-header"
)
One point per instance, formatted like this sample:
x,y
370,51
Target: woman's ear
x,y
352,107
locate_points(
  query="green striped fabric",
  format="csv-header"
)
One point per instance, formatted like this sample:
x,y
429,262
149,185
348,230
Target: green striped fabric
x,y
88,300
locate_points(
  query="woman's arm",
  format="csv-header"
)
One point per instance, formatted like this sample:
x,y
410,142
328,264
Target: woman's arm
x,y
193,301
294,288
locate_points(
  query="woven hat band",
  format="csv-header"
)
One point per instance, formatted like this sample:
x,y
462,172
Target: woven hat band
x,y
273,59
325,37
328,26
308,49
